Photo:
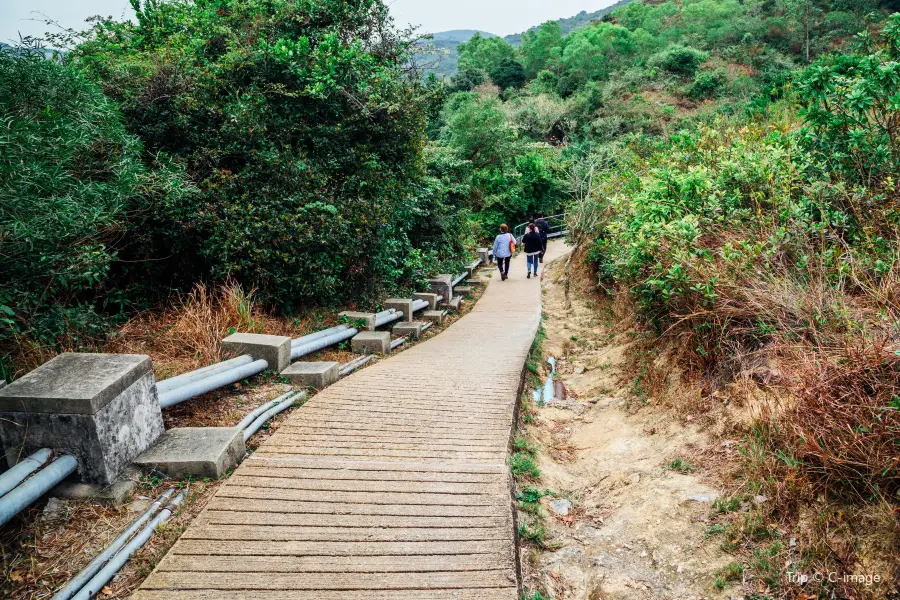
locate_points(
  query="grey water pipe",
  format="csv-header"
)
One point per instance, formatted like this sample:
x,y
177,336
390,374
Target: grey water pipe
x,y
418,305
93,587
77,582
460,278
398,342
246,421
23,469
207,384
261,420
186,378
322,342
426,327
354,364
36,486
387,316
319,334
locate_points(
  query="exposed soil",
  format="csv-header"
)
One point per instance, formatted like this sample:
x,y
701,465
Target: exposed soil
x,y
641,507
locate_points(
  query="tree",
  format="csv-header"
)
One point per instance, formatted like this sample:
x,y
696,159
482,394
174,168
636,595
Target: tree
x,y
542,49
295,119
484,53
509,74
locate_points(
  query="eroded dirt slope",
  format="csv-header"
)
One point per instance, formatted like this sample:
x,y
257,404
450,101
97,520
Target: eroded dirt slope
x,y
640,513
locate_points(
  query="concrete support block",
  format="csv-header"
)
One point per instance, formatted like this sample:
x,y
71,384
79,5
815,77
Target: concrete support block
x,y
435,316
476,281
432,299
318,375
401,306
100,408
113,495
196,451
354,316
411,329
473,266
274,349
454,304
462,290
442,285
485,255
372,342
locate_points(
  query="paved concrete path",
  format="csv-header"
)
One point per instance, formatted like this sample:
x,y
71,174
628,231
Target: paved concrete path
x,y
390,485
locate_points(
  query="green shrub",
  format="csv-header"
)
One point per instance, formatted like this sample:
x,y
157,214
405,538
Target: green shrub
x,y
74,193
681,60
302,133
707,84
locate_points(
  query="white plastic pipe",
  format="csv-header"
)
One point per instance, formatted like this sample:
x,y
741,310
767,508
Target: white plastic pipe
x,y
23,469
319,334
322,342
460,278
77,582
186,378
398,342
93,587
196,388
388,316
33,488
426,327
246,421
354,364
418,305
261,420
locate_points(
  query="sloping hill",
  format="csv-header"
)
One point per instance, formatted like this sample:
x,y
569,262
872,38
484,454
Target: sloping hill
x,y
443,62
580,20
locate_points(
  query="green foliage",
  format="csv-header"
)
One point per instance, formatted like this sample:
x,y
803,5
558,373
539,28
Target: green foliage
x,y
75,194
853,109
301,132
707,84
509,73
681,60
484,53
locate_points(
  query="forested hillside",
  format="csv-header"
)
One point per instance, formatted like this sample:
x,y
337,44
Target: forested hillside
x,y
731,167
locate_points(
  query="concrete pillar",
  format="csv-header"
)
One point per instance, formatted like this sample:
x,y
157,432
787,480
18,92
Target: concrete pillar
x,y
442,285
274,349
484,255
432,299
400,305
318,375
353,316
372,342
100,408
412,329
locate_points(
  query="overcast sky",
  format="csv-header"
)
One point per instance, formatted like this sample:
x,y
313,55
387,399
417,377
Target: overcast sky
x,y
497,16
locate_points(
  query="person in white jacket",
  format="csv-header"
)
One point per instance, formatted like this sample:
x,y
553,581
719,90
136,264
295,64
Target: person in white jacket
x,y
503,251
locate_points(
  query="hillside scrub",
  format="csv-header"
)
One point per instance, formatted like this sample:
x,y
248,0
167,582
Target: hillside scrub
x,y
76,198
731,172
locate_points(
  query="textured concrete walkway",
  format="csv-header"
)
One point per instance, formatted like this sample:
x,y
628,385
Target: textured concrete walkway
x,y
390,485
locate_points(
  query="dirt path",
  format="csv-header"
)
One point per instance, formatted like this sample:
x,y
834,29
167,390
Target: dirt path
x,y
638,522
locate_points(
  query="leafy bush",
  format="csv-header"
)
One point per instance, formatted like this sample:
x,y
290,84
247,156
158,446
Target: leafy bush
x,y
508,74
707,84
681,60
302,133
74,189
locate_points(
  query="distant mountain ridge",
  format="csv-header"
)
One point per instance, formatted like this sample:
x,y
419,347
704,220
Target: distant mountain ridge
x,y
444,63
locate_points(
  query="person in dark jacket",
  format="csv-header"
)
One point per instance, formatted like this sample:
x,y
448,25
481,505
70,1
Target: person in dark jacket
x,y
544,229
533,245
